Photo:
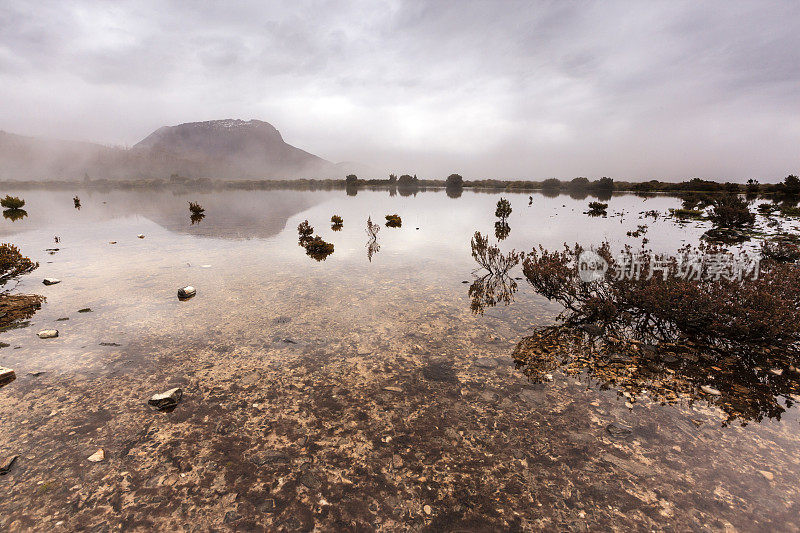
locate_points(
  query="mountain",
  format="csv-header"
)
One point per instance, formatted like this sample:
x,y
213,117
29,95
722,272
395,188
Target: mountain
x,y
236,149
218,149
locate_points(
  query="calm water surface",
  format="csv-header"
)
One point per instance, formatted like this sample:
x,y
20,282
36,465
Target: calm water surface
x,y
390,404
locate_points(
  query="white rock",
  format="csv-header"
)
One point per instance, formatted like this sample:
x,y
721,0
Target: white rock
x,y
48,334
708,389
167,399
776,371
51,281
186,292
97,456
6,376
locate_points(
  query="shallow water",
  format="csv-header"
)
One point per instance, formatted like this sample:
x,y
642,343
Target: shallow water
x,y
284,356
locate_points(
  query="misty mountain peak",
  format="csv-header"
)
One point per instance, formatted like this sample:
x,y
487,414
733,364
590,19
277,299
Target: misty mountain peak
x,y
214,137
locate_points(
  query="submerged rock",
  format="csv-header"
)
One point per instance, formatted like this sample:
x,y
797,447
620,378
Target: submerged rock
x,y
48,334
486,362
618,432
51,281
166,400
184,293
8,462
141,236
97,456
708,389
6,376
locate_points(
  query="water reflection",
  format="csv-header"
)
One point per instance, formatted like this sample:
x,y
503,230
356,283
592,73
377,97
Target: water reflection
x,y
744,389
14,214
372,244
495,285
501,230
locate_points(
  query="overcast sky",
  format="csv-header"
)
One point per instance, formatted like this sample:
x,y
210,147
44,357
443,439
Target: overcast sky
x,y
638,89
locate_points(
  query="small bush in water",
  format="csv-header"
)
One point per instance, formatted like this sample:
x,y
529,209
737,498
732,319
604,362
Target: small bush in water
x,y
12,202
597,208
393,221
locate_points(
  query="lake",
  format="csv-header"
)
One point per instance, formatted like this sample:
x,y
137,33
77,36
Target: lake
x,y
358,392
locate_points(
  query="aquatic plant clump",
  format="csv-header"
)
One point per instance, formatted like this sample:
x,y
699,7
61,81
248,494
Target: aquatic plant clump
x,y
503,210
13,263
12,202
718,311
491,258
597,209
731,211
696,214
393,221
76,202
305,231
337,220
16,307
196,208
318,248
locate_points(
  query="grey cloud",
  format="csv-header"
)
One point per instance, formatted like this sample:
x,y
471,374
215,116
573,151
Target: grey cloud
x,y
492,89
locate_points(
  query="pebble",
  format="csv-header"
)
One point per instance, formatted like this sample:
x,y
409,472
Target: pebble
x,y
486,362
51,281
708,389
112,242
427,509
141,235
776,371
393,389
184,293
167,399
8,462
618,432
6,376
48,334
767,474
97,456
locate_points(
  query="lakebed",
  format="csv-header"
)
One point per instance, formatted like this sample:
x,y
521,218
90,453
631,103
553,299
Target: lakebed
x,y
357,392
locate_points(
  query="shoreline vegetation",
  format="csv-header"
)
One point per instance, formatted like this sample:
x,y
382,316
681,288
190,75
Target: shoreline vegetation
x,y
581,187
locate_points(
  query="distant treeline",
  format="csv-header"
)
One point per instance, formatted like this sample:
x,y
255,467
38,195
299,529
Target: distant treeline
x,y
578,186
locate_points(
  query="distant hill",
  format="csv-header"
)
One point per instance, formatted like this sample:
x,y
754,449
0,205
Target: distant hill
x,y
219,149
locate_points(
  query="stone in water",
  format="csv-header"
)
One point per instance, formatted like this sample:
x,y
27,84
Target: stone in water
x,y
51,281
97,456
166,400
6,376
184,293
48,334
